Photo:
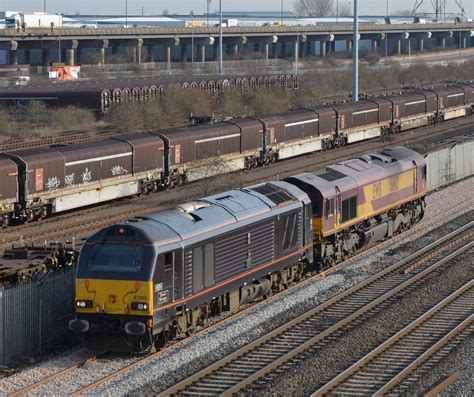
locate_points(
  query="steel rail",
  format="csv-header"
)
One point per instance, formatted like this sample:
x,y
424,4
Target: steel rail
x,y
283,348
458,307
442,386
52,377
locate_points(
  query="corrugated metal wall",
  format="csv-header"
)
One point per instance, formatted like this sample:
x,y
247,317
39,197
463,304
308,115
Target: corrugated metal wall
x,y
449,165
33,316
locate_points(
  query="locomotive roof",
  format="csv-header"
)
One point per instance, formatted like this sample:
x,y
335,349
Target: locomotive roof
x,y
210,214
350,173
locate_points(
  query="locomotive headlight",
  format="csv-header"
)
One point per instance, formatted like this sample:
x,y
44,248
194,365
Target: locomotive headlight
x,y
84,304
139,306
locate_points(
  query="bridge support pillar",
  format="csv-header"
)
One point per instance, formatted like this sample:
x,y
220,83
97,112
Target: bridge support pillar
x,y
266,52
168,56
349,45
421,44
441,42
138,52
464,42
399,47
322,49
101,56
235,50
375,45
202,52
70,56
45,57
296,50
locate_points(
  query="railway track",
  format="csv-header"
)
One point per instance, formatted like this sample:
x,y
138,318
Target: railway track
x,y
237,371
48,379
384,368
35,233
439,246
11,145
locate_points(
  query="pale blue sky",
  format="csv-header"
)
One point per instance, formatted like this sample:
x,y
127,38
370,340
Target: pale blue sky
x,y
199,6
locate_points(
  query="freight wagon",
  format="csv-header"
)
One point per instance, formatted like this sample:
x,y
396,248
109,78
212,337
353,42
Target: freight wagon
x,y
48,181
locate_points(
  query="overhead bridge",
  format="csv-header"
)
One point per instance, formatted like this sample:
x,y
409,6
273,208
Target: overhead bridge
x,y
202,44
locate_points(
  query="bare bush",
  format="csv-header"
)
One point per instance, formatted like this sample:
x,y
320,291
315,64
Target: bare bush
x,y
5,123
369,56
73,117
126,117
178,104
231,103
268,100
38,113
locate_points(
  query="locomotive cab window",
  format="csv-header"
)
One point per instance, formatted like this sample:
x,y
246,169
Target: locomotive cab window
x,y
329,207
122,258
349,209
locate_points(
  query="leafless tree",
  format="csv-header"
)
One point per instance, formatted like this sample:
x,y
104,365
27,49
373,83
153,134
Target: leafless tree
x,y
403,13
345,10
314,8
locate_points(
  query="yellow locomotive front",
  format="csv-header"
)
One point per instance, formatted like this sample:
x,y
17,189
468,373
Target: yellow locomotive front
x,y
114,289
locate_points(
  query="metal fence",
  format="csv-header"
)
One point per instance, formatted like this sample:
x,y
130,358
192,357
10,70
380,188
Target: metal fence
x,y
34,316
451,164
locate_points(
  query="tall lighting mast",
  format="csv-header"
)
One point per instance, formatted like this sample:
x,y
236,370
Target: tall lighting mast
x,y
355,55
221,53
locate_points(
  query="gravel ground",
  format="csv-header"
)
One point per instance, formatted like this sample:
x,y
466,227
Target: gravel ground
x,y
457,359
195,353
47,368
461,359
319,365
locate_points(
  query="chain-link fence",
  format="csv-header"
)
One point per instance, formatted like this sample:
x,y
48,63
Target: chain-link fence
x,y
35,316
